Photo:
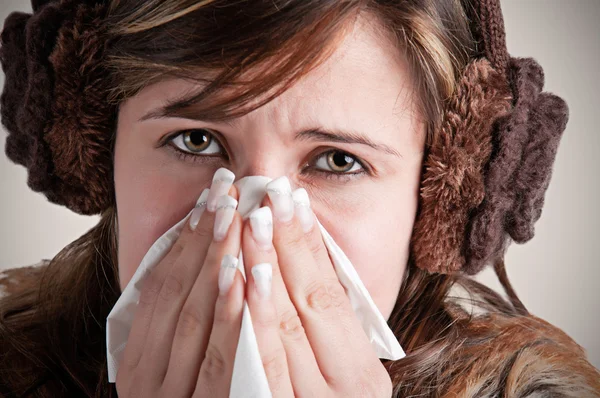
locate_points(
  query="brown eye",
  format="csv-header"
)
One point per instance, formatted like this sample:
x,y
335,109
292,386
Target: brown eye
x,y
197,141
337,162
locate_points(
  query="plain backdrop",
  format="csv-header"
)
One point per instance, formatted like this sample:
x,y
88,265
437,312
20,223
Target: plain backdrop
x,y
556,274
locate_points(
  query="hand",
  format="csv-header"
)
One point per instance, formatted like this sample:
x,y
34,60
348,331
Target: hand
x,y
309,338
186,327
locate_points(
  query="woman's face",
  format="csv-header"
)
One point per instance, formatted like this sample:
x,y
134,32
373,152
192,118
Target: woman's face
x,y
361,100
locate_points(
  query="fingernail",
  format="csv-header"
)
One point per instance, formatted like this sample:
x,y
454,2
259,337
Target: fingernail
x,y
261,223
221,183
199,209
280,194
203,198
303,211
263,274
227,273
226,206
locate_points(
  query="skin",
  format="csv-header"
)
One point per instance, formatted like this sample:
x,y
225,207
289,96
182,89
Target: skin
x,y
186,326
364,87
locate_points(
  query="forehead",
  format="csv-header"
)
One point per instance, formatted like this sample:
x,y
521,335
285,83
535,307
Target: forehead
x,y
365,76
364,80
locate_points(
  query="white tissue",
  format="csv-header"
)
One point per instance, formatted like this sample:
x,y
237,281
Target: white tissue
x,y
248,379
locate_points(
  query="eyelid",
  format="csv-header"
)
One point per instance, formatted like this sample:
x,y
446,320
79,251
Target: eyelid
x,y
326,155
210,150
168,139
320,152
314,156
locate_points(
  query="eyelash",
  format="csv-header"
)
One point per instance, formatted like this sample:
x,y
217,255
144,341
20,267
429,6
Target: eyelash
x,y
330,175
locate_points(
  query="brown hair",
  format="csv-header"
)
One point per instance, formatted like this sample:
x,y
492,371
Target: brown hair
x,y
55,335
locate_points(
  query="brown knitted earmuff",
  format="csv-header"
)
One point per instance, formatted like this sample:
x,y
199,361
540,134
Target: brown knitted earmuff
x,y
54,103
486,174
484,177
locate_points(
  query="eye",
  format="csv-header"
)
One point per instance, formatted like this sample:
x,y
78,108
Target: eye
x,y
338,162
197,141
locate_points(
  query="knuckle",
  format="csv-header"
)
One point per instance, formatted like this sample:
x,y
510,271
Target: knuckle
x,y
213,365
204,230
151,290
267,320
128,365
316,247
172,287
177,247
295,241
274,366
191,320
291,326
322,296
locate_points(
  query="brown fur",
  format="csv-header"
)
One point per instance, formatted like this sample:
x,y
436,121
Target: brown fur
x,y
80,137
486,175
494,355
517,356
54,103
484,178
453,181
519,173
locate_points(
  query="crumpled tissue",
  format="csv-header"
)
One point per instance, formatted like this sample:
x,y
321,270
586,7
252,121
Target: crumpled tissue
x,y
249,378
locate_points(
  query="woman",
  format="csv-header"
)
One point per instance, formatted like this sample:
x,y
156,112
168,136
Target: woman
x,y
407,124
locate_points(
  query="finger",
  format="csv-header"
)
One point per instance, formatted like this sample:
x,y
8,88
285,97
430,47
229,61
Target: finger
x,y
178,284
214,377
302,211
221,184
167,287
264,314
153,284
318,296
196,317
312,233
275,320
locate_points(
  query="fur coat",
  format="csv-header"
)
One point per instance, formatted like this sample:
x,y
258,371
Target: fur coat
x,y
523,356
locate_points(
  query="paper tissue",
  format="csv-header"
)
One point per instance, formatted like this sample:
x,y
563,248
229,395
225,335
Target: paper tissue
x,y
248,377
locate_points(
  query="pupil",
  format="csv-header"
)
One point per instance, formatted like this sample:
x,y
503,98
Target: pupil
x,y
340,161
342,158
198,139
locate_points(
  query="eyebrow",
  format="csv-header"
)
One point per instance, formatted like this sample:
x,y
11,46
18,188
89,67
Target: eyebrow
x,y
328,135
314,134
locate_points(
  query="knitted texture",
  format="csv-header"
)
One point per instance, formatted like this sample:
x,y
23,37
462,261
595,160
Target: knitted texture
x,y
519,173
492,32
54,106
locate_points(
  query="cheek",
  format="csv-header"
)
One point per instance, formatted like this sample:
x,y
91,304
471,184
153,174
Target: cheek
x,y
141,221
375,236
150,200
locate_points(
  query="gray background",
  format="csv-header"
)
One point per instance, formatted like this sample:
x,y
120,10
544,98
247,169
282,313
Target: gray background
x,y
556,274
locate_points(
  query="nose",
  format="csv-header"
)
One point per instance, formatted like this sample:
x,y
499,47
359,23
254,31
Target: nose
x,y
266,165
